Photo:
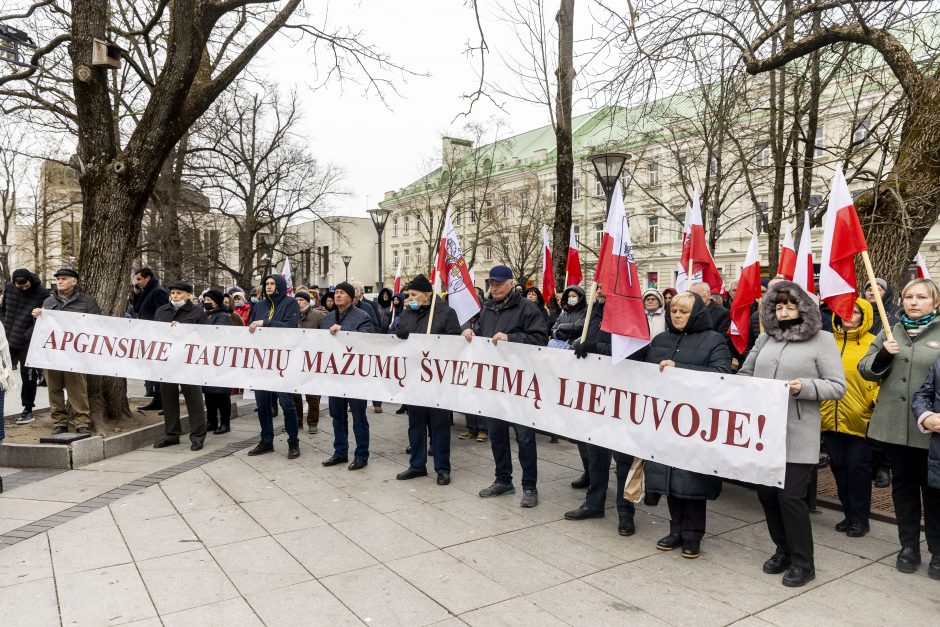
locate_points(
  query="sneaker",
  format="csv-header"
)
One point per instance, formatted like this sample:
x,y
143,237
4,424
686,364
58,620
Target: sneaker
x,y
466,435
530,497
26,417
312,429
882,478
83,431
497,489
481,437
58,430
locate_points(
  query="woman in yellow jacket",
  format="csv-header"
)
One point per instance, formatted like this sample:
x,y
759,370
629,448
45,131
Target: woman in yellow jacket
x,y
845,422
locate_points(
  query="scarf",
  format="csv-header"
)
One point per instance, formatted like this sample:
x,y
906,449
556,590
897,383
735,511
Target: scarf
x,y
916,327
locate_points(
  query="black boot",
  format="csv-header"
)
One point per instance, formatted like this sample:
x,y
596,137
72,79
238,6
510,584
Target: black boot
x,y
293,449
261,447
155,403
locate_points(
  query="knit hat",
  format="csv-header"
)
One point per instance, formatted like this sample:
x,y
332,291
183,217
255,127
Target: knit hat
x,y
304,295
420,283
216,297
21,273
347,287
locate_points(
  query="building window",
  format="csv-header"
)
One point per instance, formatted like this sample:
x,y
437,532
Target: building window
x,y
653,171
683,164
407,225
576,189
577,236
820,143
861,134
554,192
598,188
455,216
418,259
407,258
488,250
681,218
762,155
815,200
652,280
762,214
488,210
653,229
505,207
626,177
395,226
713,166
524,203
598,234
395,259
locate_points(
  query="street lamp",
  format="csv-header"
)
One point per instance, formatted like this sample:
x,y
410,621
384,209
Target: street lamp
x,y
346,260
5,260
379,219
607,168
12,43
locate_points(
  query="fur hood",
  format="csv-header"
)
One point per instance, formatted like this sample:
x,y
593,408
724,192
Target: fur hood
x,y
809,312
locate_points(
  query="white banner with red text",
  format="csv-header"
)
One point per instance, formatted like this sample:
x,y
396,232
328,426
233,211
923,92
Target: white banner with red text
x,y
733,427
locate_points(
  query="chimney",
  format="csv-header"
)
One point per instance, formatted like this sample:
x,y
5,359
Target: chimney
x,y
454,149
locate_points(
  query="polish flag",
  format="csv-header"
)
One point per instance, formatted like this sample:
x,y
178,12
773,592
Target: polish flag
x,y
451,273
922,271
842,240
624,315
285,272
548,273
396,287
748,292
695,253
803,271
787,264
573,267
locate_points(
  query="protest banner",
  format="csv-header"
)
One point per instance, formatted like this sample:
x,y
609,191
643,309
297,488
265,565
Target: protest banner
x,y
733,427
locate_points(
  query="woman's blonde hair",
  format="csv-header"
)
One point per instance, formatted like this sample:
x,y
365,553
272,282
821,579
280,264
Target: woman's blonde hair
x,y
932,289
683,300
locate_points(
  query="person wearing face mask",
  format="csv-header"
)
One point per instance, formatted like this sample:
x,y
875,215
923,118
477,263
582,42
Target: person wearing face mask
x,y
218,399
571,321
415,320
902,367
68,297
655,306
310,318
241,306
795,349
688,342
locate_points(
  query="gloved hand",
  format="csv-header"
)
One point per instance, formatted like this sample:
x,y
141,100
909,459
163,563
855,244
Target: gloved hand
x,y
582,349
402,335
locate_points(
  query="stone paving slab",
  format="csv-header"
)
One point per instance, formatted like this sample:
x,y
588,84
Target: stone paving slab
x,y
172,537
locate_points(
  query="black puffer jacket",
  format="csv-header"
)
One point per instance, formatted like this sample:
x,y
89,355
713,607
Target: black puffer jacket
x,y
697,347
518,318
416,320
150,299
18,305
187,314
223,318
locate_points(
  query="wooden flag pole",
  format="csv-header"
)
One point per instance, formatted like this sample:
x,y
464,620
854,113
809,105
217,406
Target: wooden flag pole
x,y
587,317
881,306
431,315
566,279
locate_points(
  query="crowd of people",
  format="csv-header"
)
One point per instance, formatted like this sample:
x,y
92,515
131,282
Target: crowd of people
x,y
862,400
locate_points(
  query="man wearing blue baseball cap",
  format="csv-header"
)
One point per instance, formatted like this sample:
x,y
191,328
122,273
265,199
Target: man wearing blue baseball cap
x,y
508,317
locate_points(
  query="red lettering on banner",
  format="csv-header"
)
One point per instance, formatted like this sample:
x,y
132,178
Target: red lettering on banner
x,y
675,420
50,340
735,429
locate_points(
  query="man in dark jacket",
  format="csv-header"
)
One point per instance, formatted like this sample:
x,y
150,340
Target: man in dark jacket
x,y
378,320
348,317
149,296
415,319
721,319
280,311
508,317
68,298
181,310
598,457
21,296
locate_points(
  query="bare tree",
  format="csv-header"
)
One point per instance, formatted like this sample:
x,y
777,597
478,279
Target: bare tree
x,y
519,239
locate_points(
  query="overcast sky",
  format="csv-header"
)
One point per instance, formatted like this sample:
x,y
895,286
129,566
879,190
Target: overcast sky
x,y
384,147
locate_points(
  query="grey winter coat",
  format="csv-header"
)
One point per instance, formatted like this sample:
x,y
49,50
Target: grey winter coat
x,y
804,352
78,302
353,319
570,323
515,316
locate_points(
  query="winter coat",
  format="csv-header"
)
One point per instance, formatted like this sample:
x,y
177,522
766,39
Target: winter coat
x,y
852,412
354,319
78,302
803,352
278,310
696,347
243,311
656,319
570,323
223,318
311,317
188,313
599,338
540,302
151,298
18,305
416,321
900,376
721,318
927,400
518,318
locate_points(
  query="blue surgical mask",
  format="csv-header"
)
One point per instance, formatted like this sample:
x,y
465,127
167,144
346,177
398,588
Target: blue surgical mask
x,y
254,299
413,305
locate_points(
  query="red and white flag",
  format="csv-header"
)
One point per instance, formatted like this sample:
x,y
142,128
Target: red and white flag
x,y
695,253
548,273
451,272
285,272
748,292
396,286
842,240
803,272
624,315
922,271
573,267
786,267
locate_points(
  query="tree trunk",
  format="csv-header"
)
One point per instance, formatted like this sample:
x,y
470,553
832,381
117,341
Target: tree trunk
x,y
564,164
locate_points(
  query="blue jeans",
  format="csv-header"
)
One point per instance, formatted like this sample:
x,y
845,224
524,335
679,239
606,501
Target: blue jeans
x,y
338,406
502,454
265,401
2,397
420,420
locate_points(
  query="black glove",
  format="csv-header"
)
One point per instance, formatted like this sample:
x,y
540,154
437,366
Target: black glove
x,y
582,349
402,335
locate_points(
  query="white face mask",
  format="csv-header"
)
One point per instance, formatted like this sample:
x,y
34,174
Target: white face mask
x,y
177,303
572,301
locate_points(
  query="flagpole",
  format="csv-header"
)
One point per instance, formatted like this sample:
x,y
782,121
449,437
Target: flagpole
x,y
566,279
874,287
587,317
431,315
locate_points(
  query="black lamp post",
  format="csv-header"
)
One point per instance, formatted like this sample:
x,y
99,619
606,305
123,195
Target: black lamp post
x,y
379,219
607,168
12,43
346,260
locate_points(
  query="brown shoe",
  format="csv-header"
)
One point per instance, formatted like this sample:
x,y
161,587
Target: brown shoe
x,y
481,437
466,435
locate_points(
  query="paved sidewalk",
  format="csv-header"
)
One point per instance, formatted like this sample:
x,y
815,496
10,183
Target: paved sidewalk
x,y
250,541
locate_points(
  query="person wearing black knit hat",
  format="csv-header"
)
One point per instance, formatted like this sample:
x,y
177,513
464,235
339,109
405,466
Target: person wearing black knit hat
x,y
21,296
218,398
